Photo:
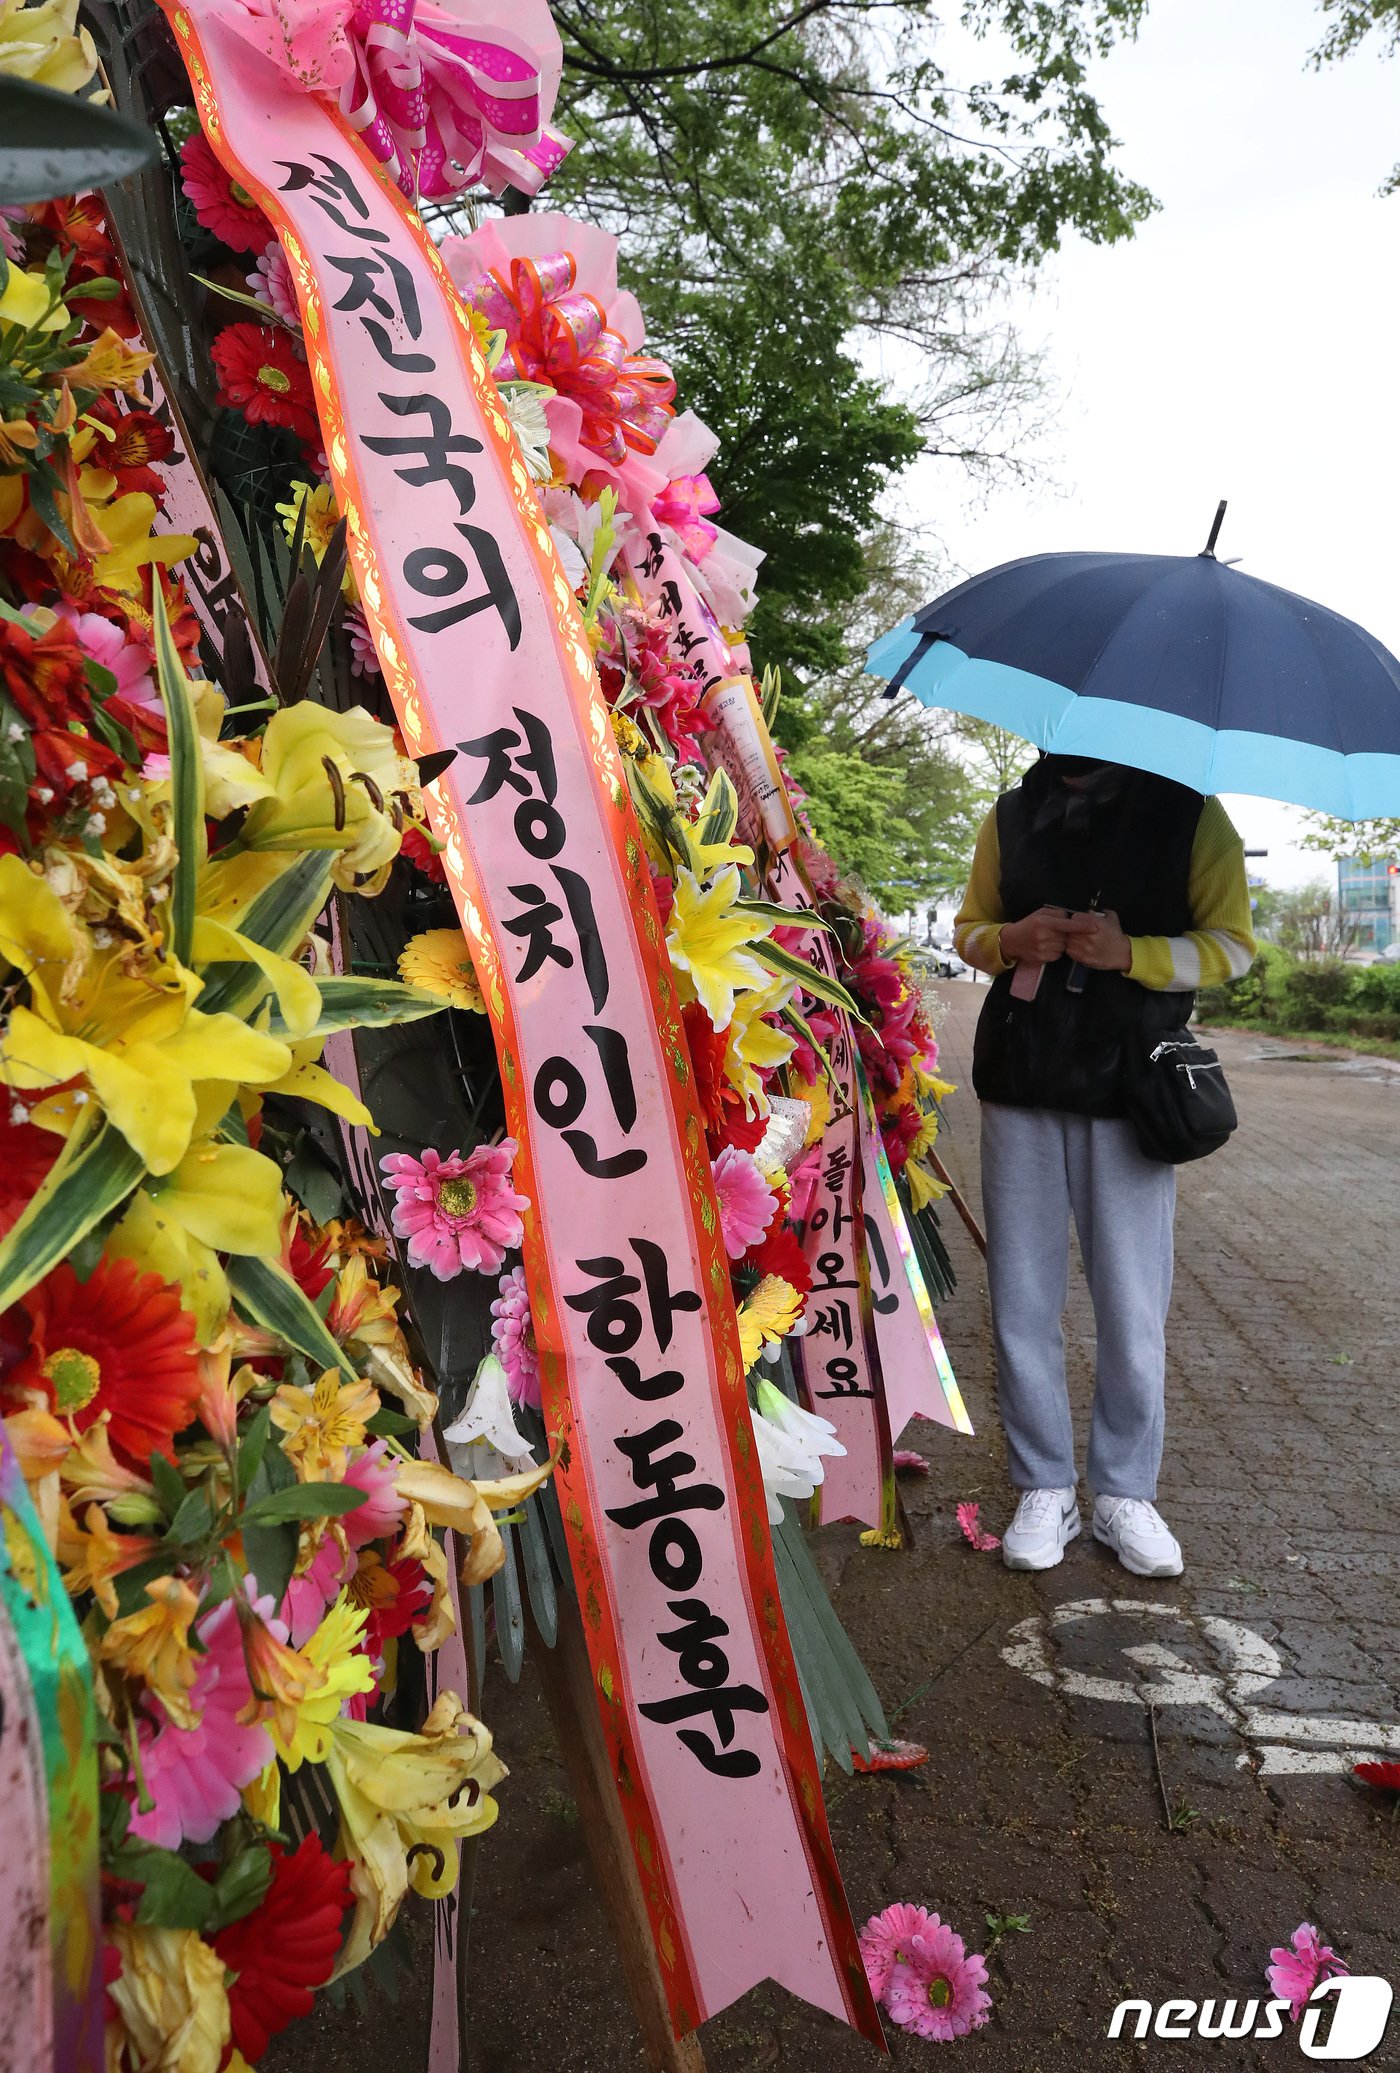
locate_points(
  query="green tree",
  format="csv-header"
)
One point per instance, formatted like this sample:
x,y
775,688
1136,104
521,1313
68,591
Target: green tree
x,y
808,203
1364,839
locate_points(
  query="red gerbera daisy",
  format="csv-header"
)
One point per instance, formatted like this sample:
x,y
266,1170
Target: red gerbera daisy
x,y
218,201
26,1154
261,374
1385,1775
780,1254
420,853
286,1947
118,1342
138,439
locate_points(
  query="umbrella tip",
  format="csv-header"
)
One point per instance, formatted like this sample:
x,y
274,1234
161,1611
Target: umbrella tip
x,y
1209,548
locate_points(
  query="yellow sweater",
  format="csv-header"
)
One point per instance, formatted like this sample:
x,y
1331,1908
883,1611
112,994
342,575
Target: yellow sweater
x,y
1221,946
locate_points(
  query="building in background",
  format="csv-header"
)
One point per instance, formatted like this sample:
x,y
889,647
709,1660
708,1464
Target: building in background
x,y
1367,894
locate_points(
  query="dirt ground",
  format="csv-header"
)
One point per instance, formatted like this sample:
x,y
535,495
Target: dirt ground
x,y
1270,1666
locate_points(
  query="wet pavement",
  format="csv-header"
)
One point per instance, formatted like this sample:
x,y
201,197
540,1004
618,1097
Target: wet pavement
x,y
1266,1670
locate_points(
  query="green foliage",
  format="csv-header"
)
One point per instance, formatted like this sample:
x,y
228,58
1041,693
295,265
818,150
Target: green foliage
x,y
1327,996
1364,839
793,185
1310,990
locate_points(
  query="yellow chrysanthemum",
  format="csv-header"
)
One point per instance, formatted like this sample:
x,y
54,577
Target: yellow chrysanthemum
x,y
438,961
709,943
334,1649
628,735
767,1315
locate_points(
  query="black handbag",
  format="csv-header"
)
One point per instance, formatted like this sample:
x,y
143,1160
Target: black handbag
x,y
1177,1098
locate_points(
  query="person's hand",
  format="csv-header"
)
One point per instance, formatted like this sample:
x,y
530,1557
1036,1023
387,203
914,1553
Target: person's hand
x,y
1039,939
1098,941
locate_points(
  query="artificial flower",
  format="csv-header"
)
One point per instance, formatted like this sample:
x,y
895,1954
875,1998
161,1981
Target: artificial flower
x,y
457,1213
271,282
323,1424
524,403
513,1338
196,1774
336,780
708,941
262,375
334,1652
787,1470
119,1342
766,1316
425,855
170,2001
781,1254
817,1436
153,1647
221,205
885,1940
128,444
1296,1968
280,1678
746,1201
970,1521
935,1989
313,508
93,1556
391,1595
287,1946
438,961
45,44
1385,1776
405,1803
484,1438
364,656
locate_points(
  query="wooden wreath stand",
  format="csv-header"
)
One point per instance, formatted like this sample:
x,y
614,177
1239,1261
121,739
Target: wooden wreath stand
x,y
567,1682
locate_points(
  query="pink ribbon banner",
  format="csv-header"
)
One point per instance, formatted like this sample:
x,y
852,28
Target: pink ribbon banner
x,y
483,652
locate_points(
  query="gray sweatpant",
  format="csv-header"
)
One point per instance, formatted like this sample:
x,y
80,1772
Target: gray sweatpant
x,y
1038,1165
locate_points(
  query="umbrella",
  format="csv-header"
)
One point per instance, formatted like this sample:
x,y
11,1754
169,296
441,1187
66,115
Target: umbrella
x,y
1180,664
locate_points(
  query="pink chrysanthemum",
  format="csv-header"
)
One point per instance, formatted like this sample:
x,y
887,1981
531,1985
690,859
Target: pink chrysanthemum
x,y
1296,1971
364,656
513,1338
885,1941
195,1775
271,282
381,1514
220,204
936,1990
746,1202
970,1520
457,1213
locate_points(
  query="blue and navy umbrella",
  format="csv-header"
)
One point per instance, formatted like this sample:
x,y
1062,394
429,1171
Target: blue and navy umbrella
x,y
1174,663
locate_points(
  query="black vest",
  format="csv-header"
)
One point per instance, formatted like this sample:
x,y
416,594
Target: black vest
x,y
1131,854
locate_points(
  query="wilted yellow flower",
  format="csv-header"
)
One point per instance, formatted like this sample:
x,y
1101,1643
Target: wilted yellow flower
x,y
92,1555
335,778
439,962
171,1999
322,1424
767,1315
153,1646
322,518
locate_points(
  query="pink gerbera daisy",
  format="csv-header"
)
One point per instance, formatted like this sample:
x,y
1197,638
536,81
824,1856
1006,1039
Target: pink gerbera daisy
x,y
195,1775
271,282
1295,1972
936,1990
885,1941
746,1202
381,1514
221,205
457,1213
513,1338
308,1595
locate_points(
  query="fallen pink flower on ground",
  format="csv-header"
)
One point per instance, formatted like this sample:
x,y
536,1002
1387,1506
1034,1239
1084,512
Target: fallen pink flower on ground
x,y
890,1756
908,1462
1296,1971
970,1519
935,1989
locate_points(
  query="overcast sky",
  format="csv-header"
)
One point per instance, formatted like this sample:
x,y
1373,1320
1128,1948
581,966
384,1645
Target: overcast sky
x,y
1242,345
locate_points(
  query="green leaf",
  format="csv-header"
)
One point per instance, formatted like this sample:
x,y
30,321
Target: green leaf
x,y
171,1488
270,1297
186,778
192,1519
95,1171
386,1424
303,1501
252,1447
241,1885
793,967
782,917
721,817
271,1554
351,1003
130,1586
176,1897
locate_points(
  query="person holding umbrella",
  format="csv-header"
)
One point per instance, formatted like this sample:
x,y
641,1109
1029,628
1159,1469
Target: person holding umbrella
x,y
1105,888
1099,896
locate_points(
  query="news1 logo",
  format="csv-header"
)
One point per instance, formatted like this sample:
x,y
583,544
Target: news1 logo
x,y
1358,2004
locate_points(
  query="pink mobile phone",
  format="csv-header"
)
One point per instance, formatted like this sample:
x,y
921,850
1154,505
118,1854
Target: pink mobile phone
x,y
1025,981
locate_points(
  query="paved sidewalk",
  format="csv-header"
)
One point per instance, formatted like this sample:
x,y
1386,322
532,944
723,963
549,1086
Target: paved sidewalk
x,y
1272,1662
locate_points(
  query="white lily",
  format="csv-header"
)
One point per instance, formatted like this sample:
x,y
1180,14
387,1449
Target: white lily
x,y
814,1436
786,1469
485,1435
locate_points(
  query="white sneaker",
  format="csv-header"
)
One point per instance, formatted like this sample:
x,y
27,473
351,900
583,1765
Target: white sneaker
x,y
1045,1520
1138,1535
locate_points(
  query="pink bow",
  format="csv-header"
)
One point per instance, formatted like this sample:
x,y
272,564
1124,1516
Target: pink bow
x,y
560,336
685,505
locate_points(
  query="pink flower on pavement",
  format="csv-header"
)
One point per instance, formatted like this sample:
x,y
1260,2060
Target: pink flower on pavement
x,y
908,1462
970,1519
513,1338
457,1213
381,1513
885,1941
271,282
195,1775
936,1989
220,204
746,1202
1294,1973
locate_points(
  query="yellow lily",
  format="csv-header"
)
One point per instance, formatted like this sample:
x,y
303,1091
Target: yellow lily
x,y
139,1043
708,943
26,298
171,1999
754,1043
705,857
323,1424
334,778
219,1198
403,1795
153,1647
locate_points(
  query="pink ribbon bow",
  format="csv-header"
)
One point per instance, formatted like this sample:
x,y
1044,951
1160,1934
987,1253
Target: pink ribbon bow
x,y
558,335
